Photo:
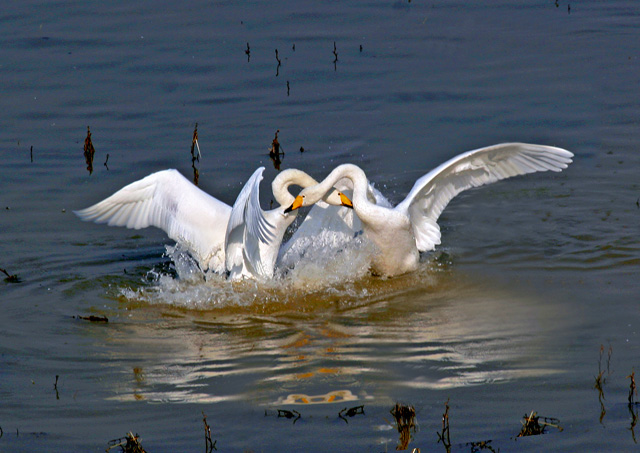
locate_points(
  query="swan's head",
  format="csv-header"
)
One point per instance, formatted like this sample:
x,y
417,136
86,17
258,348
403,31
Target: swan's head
x,y
308,198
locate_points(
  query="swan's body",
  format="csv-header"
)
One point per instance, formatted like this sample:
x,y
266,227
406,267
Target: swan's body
x,y
411,227
218,236
254,236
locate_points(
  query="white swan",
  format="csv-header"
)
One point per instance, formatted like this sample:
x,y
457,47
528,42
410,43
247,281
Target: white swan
x,y
199,222
402,232
253,236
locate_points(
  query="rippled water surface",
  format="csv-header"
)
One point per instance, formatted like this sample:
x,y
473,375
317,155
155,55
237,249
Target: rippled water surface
x,y
507,316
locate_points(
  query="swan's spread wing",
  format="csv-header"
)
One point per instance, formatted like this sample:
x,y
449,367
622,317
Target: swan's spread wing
x,y
258,226
247,228
431,193
234,239
169,201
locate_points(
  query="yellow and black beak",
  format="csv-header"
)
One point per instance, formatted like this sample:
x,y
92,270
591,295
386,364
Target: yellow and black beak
x,y
345,200
297,203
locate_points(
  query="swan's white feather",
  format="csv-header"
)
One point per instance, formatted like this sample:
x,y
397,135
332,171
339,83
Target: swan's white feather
x,y
169,201
239,221
250,235
432,192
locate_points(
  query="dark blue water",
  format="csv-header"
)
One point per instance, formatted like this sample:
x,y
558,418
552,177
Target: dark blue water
x,y
506,317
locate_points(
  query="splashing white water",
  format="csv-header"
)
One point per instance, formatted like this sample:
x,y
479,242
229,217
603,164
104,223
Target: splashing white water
x,y
327,264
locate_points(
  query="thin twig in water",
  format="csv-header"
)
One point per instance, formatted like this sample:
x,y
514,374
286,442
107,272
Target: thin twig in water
x,y
127,444
444,436
208,445
633,410
279,64
352,412
532,426
55,387
292,414
633,391
600,380
481,445
10,278
195,156
89,151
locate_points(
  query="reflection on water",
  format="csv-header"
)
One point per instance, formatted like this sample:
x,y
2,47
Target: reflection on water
x,y
545,268
336,396
278,343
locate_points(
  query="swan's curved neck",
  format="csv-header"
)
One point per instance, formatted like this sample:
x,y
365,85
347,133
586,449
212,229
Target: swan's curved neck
x,y
286,178
361,203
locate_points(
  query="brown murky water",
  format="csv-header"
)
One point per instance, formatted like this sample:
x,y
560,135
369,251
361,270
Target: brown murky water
x,y
506,317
